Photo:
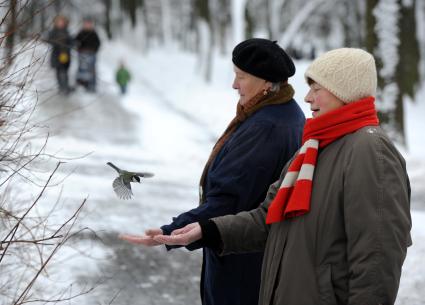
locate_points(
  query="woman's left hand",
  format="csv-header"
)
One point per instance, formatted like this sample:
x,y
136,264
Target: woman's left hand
x,y
182,237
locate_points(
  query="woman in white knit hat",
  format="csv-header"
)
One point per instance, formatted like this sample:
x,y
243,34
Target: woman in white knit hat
x,y
336,226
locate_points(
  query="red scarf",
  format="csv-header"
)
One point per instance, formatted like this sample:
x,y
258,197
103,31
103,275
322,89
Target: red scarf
x,y
293,197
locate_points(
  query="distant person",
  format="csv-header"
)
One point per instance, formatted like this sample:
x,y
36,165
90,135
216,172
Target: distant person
x,y
88,43
122,78
250,154
60,59
335,227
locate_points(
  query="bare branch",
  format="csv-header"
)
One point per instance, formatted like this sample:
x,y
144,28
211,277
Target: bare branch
x,y
58,246
15,228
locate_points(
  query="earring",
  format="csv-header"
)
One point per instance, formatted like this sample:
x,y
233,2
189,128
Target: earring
x,y
265,92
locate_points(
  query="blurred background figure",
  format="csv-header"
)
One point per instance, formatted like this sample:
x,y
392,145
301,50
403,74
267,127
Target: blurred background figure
x,y
60,58
122,77
88,44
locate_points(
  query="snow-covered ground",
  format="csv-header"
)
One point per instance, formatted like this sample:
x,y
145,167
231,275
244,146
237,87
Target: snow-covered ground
x,y
166,124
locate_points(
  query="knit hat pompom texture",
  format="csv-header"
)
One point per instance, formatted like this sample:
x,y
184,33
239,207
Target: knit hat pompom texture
x,y
348,73
263,58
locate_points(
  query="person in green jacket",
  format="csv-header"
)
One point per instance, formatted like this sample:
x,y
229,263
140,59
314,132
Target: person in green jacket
x,y
122,78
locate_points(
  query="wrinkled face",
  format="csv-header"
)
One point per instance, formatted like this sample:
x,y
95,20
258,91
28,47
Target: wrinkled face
x,y
248,85
321,100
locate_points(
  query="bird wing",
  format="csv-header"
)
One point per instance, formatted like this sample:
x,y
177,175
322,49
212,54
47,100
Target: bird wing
x,y
144,174
122,189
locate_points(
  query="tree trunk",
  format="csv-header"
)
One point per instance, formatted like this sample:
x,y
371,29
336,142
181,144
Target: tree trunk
x,y
238,11
420,32
351,19
130,7
43,20
371,40
107,24
206,35
249,24
274,8
388,93
222,34
408,69
223,24
11,31
267,7
398,75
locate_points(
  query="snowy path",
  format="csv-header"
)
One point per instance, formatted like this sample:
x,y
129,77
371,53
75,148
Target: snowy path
x,y
103,125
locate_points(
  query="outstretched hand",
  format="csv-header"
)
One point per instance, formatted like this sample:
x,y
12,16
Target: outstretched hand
x,y
147,239
182,237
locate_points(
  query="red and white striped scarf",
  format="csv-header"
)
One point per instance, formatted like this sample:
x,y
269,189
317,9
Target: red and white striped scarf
x,y
293,196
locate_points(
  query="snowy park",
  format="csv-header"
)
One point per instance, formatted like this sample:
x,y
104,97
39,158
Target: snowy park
x,y
170,133
166,123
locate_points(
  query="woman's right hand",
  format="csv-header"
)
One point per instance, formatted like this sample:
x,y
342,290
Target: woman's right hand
x,y
181,237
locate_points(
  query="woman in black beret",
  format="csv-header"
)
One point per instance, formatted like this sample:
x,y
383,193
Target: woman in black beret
x,y
246,159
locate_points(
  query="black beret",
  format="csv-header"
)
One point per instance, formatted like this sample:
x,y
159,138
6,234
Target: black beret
x,y
263,58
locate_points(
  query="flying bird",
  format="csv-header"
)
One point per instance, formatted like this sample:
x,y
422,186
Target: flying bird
x,y
122,185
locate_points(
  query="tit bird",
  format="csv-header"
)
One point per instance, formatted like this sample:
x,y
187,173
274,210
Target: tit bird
x,y
122,185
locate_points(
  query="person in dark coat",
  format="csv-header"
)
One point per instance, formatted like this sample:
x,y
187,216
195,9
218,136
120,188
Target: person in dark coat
x,y
335,227
60,59
88,44
250,154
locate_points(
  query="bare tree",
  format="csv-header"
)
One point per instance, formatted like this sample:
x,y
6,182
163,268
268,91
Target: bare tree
x,y
28,242
297,21
107,23
220,9
205,37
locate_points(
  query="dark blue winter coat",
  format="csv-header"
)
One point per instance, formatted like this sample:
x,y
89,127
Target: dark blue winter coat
x,y
237,180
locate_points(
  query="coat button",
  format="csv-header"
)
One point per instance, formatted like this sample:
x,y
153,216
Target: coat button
x,y
371,130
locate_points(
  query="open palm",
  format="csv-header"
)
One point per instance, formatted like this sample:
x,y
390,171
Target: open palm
x,y
184,236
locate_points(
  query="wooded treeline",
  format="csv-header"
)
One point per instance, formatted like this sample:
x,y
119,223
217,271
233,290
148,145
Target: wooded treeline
x,y
390,29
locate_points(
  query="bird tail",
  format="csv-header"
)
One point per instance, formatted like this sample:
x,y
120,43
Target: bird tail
x,y
114,167
146,174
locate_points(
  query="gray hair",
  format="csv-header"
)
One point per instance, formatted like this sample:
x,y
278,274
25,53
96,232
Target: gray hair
x,y
275,87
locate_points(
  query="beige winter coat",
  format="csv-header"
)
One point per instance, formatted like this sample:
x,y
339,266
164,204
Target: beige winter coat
x,y
350,247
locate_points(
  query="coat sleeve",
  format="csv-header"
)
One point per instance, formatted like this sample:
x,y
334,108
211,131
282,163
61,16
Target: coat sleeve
x,y
377,220
247,231
240,179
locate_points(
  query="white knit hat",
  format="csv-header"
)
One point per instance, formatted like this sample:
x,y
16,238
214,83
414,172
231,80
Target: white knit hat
x,y
348,73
